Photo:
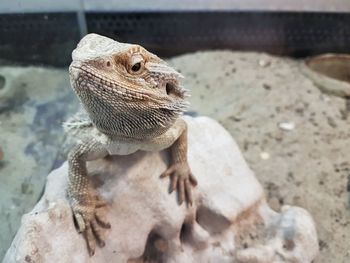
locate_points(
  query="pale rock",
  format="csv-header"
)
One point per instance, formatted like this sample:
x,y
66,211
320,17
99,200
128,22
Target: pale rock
x,y
286,126
264,155
264,63
229,221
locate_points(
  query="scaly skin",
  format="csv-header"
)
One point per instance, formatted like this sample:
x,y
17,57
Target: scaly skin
x,y
133,102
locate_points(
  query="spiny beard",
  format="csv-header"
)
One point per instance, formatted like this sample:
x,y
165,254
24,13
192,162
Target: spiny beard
x,y
134,120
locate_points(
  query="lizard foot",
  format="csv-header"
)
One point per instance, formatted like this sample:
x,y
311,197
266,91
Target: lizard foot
x,y
181,179
90,220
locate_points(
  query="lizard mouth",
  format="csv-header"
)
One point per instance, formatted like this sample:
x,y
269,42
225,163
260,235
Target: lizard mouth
x,y
81,73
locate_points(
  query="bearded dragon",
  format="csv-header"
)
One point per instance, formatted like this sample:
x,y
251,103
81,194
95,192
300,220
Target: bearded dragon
x,y
131,100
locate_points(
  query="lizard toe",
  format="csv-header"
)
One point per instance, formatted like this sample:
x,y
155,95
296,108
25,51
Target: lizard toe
x,y
90,240
80,222
97,231
101,219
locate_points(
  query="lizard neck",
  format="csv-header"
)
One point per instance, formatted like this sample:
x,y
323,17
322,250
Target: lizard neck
x,y
136,136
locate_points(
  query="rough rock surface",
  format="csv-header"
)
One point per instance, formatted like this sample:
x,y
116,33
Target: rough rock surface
x,y
229,221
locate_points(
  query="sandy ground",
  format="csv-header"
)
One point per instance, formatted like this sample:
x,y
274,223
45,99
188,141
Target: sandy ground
x,y
252,95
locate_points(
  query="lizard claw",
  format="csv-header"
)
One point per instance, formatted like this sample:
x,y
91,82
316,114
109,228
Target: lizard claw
x,y
182,180
90,222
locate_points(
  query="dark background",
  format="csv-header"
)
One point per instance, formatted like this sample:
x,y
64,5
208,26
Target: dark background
x,y
49,38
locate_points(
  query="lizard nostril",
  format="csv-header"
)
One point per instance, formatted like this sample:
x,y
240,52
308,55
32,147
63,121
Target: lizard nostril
x,y
170,89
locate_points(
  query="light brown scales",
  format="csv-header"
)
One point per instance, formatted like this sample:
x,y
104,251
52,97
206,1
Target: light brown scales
x,y
132,101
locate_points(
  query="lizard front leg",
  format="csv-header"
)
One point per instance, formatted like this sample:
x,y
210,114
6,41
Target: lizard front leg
x,y
83,198
182,178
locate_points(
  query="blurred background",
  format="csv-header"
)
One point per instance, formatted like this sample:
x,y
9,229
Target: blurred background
x,y
244,64
36,31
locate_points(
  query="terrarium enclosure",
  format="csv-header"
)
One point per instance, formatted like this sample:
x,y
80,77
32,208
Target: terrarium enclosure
x,y
275,74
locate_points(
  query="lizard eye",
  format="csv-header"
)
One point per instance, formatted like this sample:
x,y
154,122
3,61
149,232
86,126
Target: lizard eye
x,y
108,63
136,67
136,64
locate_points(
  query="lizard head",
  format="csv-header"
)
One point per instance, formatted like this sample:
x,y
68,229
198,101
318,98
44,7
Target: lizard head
x,y
126,90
